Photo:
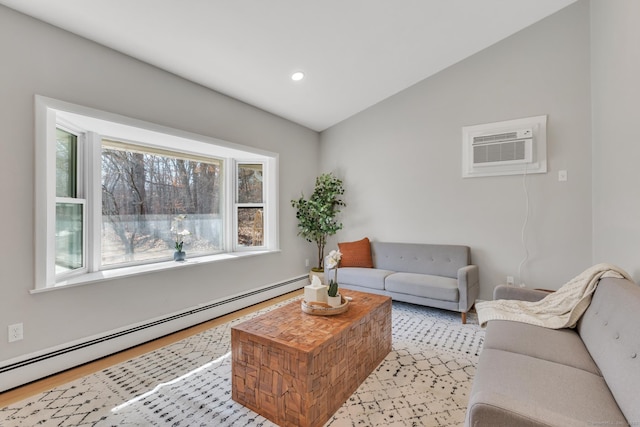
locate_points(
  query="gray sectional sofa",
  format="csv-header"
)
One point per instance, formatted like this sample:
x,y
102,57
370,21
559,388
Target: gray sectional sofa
x,y
588,376
439,276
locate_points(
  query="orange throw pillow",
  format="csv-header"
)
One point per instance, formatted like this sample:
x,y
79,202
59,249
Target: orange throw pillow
x,y
356,254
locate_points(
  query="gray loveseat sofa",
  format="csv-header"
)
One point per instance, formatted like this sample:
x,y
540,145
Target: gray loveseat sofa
x,y
588,376
439,276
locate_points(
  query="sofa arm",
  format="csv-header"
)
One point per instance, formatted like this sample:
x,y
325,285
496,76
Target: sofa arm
x,y
522,294
488,409
468,287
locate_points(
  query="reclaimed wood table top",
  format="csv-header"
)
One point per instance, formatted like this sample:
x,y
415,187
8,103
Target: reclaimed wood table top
x,y
291,327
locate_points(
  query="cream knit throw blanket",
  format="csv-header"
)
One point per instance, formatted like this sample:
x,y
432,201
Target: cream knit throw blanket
x,y
561,309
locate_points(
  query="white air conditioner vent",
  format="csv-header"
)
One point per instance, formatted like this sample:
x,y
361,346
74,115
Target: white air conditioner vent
x,y
505,148
507,136
503,152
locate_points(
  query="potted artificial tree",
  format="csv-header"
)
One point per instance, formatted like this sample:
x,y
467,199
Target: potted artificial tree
x,y
317,215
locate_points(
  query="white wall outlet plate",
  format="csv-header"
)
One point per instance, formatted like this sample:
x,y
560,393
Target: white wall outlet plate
x,y
16,332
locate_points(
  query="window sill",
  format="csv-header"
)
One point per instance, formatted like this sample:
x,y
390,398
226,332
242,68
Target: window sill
x,y
120,273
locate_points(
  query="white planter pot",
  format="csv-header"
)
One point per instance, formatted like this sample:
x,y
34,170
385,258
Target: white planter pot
x,y
335,301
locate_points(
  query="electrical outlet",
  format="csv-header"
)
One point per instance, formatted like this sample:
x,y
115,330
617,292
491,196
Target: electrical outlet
x,y
510,280
16,332
306,262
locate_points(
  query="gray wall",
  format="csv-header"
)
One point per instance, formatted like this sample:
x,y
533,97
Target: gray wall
x,y
401,159
615,69
40,59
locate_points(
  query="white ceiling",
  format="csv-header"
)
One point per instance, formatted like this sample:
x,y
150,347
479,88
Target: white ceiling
x,y
354,53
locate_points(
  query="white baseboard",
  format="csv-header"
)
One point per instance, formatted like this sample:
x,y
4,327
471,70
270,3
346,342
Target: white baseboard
x,y
34,366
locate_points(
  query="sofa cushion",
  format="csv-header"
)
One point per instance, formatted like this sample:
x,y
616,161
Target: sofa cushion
x,y
562,346
423,285
520,387
610,331
365,277
356,254
438,260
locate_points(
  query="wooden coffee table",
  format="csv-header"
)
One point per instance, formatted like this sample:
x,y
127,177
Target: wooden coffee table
x,y
297,369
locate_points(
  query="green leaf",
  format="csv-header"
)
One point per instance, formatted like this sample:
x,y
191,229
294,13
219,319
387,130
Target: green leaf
x,y
317,215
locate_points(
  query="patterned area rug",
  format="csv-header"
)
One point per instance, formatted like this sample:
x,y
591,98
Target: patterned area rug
x,y
424,381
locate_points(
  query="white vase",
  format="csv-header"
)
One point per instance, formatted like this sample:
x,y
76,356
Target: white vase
x,y
335,301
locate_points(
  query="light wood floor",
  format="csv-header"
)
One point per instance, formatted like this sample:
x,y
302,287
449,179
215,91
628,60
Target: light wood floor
x,y
36,387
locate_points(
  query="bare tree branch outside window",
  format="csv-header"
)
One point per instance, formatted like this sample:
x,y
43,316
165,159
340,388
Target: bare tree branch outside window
x,y
143,191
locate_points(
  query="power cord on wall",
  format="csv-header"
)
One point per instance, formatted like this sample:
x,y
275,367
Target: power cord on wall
x,y
524,227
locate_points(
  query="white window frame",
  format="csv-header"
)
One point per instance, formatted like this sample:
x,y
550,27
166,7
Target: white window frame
x,y
237,205
51,113
80,199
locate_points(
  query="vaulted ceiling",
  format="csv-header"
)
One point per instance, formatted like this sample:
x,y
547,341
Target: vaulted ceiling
x,y
354,53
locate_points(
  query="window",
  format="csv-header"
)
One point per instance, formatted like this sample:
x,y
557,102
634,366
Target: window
x,y
152,197
250,205
124,192
69,215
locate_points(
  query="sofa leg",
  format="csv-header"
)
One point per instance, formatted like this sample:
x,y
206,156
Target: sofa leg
x,y
464,318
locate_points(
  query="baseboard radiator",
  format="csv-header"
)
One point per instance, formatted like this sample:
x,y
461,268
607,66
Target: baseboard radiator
x,y
35,366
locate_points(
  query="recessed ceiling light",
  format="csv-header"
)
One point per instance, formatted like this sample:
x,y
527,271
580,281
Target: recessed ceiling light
x,y
297,76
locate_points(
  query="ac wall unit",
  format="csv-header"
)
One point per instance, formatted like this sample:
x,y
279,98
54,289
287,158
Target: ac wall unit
x,y
511,147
